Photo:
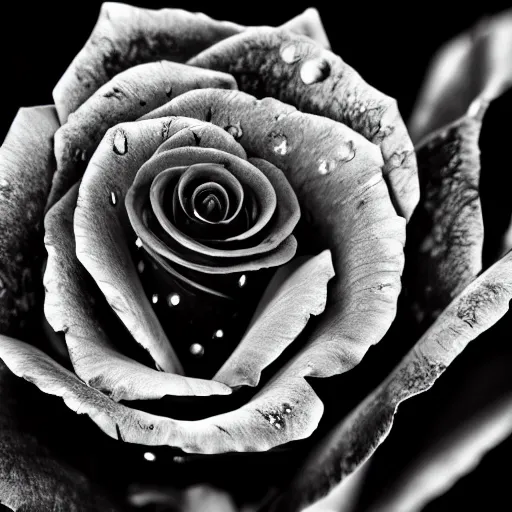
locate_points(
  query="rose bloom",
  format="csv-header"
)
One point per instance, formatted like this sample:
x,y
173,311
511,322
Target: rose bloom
x,y
201,241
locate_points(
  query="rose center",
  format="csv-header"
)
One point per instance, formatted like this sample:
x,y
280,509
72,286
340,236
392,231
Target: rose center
x,y
210,203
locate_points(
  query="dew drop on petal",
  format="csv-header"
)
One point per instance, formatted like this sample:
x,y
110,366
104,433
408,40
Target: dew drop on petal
x,y
173,299
154,298
242,281
196,349
314,70
120,142
113,198
219,333
141,266
138,243
150,456
290,54
235,130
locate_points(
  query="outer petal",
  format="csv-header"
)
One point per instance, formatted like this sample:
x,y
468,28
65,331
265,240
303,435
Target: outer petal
x,y
284,411
75,306
475,310
26,168
125,36
32,477
126,97
444,246
469,71
298,71
337,177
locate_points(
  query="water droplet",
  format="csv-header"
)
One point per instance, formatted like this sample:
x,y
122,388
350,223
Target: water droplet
x,y
154,298
279,143
290,54
325,167
173,300
235,130
347,152
278,426
120,142
242,281
362,109
138,242
196,349
150,456
219,333
113,198
140,267
314,70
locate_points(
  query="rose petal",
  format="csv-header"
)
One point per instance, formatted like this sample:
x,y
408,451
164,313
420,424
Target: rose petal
x,y
298,71
125,36
283,412
337,176
26,168
353,441
75,306
32,476
444,247
126,97
297,290
465,75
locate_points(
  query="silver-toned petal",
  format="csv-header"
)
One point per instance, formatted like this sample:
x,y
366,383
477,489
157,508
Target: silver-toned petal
x,y
126,36
26,168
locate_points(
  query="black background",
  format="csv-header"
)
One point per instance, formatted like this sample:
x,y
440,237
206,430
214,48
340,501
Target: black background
x,y
390,45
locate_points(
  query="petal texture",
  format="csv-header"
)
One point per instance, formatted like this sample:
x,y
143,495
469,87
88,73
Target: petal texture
x,y
26,169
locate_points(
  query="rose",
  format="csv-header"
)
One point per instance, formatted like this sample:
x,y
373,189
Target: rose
x,y
200,140
389,135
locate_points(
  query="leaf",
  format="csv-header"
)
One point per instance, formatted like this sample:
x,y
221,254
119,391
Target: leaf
x,y
126,97
465,75
297,290
445,240
74,305
32,477
300,72
26,168
353,441
337,177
